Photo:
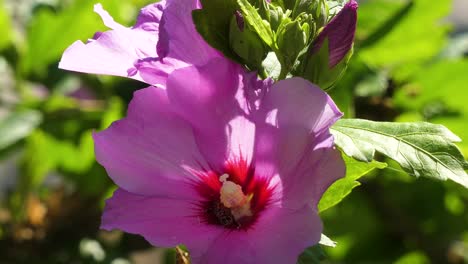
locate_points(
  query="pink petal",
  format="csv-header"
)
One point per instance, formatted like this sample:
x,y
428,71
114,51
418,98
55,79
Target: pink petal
x,y
206,96
150,17
282,235
316,171
294,142
278,238
303,166
107,19
279,150
152,151
296,102
113,52
162,222
241,139
156,71
178,37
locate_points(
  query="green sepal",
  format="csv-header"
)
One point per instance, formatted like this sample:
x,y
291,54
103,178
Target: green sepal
x,y
315,67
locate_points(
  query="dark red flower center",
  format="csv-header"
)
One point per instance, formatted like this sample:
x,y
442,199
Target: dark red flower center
x,y
252,195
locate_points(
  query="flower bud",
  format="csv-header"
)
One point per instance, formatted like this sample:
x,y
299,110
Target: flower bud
x,y
292,39
328,56
340,34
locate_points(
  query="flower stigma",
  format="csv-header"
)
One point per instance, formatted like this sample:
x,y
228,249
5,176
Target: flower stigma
x,y
232,197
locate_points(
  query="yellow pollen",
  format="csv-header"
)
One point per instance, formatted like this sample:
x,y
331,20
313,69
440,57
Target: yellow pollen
x,y
232,197
231,193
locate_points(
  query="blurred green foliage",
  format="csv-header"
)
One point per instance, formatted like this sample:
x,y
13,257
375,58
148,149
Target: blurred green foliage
x,y
406,67
402,71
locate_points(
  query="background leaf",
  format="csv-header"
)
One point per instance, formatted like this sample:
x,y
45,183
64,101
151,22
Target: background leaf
x,y
414,39
434,97
6,31
17,126
312,255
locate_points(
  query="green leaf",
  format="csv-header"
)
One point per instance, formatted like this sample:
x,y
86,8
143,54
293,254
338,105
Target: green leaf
x,y
114,111
212,22
334,7
415,39
441,81
45,153
271,66
17,126
421,149
246,43
413,257
5,27
439,86
343,187
391,11
253,18
312,255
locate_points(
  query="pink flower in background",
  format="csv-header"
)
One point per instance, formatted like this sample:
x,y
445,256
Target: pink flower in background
x,y
231,167
164,38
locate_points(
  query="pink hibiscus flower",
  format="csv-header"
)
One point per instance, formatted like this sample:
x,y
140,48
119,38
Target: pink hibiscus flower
x,y
209,156
236,178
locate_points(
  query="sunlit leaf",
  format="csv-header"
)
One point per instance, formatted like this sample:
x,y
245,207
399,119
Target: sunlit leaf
x,y
343,187
421,149
256,22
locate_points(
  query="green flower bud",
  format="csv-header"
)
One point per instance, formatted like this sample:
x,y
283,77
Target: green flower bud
x,y
292,40
278,16
319,12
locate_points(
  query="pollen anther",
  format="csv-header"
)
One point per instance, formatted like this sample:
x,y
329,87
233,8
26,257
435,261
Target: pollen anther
x,y
232,197
231,194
